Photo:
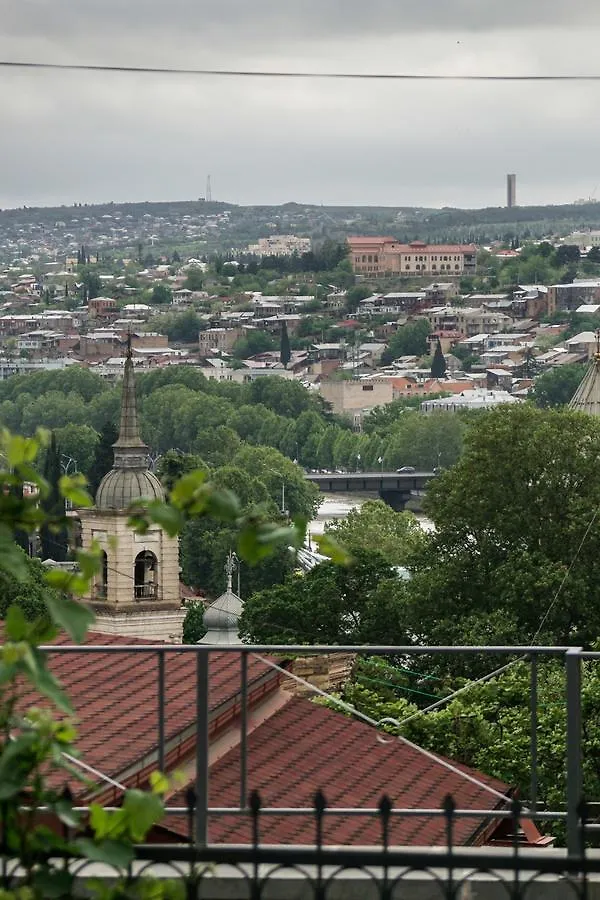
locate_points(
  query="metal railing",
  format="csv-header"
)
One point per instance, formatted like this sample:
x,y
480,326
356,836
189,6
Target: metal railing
x,y
144,591
260,871
571,657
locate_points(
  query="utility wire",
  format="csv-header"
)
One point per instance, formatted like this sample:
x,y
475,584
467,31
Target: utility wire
x,y
259,73
377,725
566,575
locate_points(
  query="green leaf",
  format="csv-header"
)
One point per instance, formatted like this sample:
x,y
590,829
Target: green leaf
x,y
186,488
113,853
12,559
223,504
16,761
53,883
144,810
159,783
99,820
74,617
89,562
328,546
18,449
16,626
41,677
167,516
72,487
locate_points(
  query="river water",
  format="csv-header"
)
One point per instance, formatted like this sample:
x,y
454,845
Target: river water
x,y
337,506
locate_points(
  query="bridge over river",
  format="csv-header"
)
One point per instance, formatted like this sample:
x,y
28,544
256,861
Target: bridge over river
x,y
395,488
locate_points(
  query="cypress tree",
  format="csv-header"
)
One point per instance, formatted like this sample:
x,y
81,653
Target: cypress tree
x,y
438,363
104,456
285,354
54,541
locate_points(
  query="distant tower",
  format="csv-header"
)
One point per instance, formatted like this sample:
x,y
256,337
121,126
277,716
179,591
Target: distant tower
x,y
208,191
136,592
511,191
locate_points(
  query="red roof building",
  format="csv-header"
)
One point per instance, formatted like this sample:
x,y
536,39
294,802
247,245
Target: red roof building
x,y
295,748
372,256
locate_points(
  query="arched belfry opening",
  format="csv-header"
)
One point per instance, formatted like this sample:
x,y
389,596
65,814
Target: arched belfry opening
x,y
136,591
145,576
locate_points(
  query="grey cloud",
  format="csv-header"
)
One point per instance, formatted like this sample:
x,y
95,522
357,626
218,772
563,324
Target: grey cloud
x,y
70,137
263,22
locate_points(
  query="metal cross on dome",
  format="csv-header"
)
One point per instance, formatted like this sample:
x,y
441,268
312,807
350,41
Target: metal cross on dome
x,y
231,565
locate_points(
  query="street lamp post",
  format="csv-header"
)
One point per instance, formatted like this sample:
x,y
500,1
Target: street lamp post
x,y
68,463
358,462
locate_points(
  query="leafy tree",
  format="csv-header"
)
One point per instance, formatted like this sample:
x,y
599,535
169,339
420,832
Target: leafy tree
x,y
438,363
79,442
193,624
194,280
557,386
594,254
360,603
181,327
253,343
395,535
425,441
279,474
161,295
568,253
284,396
516,525
28,591
285,353
354,296
173,465
409,340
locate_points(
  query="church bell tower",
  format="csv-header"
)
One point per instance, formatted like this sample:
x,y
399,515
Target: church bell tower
x,y
136,593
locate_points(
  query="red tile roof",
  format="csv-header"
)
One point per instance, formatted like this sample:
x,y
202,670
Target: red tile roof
x,y
304,747
115,698
356,243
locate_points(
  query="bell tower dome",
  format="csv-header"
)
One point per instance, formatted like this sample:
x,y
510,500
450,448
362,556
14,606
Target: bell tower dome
x,y
136,593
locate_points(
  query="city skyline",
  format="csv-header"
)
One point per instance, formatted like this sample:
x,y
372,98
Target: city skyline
x,y
93,137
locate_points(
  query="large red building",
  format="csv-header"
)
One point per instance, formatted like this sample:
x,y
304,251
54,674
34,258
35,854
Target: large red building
x,y
385,256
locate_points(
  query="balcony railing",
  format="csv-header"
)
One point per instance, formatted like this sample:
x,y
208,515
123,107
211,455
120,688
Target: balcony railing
x,y
320,868
145,591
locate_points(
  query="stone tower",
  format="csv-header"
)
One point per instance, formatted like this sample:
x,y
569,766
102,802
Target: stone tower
x,y
136,594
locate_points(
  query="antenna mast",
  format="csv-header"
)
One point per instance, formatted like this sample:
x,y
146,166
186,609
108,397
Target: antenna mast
x,y
208,190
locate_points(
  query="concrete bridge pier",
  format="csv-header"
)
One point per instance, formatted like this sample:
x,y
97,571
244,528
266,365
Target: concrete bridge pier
x,y
396,499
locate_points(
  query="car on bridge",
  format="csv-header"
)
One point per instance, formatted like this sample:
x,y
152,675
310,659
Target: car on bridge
x,y
406,469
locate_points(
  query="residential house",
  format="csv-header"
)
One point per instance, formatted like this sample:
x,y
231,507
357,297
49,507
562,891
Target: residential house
x,y
102,308
476,398
530,301
441,292
221,340
292,748
585,342
563,297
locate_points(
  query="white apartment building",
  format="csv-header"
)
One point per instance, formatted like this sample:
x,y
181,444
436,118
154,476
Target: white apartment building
x,y
280,245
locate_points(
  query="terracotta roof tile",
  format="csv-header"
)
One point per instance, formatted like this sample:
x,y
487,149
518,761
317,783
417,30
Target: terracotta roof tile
x,y
303,748
116,701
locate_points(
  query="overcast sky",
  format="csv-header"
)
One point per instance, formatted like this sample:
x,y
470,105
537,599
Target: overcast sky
x,y
88,137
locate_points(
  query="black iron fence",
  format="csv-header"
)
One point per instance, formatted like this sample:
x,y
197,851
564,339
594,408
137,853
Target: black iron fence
x,y
256,870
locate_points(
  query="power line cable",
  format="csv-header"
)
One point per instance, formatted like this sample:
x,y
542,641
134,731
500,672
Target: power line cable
x,y
377,725
307,74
